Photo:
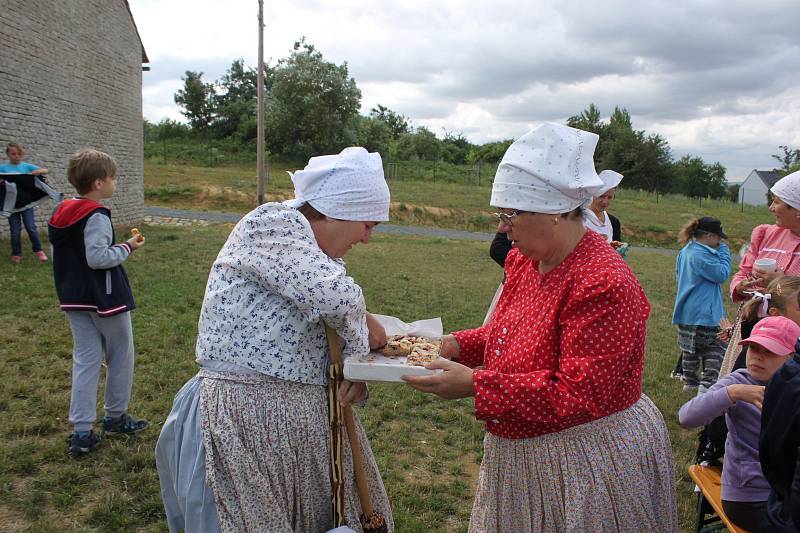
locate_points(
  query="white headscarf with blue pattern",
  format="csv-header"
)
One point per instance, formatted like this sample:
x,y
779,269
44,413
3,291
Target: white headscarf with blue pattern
x,y
548,170
347,186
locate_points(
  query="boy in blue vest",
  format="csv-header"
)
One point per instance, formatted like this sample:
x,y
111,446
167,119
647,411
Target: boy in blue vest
x,y
94,291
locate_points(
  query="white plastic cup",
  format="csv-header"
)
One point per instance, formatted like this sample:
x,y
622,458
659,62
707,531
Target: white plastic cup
x,y
765,265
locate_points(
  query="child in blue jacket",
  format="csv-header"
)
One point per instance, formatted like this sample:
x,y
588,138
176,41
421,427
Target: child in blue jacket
x,y
702,267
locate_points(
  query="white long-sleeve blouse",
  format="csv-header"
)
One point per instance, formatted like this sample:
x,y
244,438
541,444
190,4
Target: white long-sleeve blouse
x,y
268,293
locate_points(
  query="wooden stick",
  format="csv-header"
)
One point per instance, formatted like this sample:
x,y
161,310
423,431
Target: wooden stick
x,y
336,444
350,425
358,464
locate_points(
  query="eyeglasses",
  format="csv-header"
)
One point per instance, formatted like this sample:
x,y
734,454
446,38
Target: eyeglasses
x,y
508,218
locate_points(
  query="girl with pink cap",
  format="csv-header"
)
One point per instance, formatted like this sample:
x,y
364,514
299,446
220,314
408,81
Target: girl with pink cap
x,y
740,396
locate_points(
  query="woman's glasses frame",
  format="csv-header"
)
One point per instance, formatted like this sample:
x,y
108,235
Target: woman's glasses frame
x,y
508,218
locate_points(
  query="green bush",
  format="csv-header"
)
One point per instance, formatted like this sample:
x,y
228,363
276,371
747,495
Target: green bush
x,y
202,153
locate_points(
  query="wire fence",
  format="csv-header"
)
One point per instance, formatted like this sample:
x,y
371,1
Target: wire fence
x,y
480,174
222,152
700,201
203,154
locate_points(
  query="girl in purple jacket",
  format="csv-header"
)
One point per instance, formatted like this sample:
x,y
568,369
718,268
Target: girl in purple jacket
x,y
739,395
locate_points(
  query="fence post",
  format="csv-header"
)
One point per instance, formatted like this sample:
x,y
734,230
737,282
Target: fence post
x,y
479,173
434,171
164,142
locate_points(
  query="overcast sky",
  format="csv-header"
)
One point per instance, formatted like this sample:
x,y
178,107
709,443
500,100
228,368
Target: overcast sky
x,y
718,79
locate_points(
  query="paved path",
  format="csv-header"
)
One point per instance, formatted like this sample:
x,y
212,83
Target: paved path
x,y
180,217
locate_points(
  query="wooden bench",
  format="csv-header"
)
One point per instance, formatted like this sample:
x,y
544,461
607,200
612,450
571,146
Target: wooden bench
x,y
709,501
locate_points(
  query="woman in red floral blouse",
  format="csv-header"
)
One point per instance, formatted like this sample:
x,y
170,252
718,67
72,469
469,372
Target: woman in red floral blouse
x,y
572,443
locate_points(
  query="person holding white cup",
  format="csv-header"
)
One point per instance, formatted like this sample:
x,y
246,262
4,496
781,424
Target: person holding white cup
x,y
765,264
779,242
774,251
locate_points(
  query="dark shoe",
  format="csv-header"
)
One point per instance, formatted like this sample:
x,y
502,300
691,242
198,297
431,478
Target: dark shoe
x,y
81,445
124,424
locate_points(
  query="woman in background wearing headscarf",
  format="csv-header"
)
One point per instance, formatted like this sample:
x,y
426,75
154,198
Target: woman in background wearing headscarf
x,y
595,215
245,447
595,218
779,241
572,443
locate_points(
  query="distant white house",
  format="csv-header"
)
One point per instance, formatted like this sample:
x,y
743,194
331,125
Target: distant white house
x,y
754,189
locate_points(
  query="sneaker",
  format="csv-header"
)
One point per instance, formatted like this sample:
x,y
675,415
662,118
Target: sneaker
x,y
124,424
690,388
80,445
702,389
16,259
42,257
675,375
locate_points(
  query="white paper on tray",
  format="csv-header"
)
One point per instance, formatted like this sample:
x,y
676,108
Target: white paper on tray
x,y
432,327
378,367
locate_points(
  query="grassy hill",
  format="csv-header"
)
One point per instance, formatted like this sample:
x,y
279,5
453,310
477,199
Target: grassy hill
x,y
646,219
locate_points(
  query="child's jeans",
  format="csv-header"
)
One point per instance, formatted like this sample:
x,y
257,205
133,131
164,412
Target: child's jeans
x,y
700,343
93,338
15,222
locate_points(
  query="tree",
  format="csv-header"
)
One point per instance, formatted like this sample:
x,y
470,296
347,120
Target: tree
x,y
697,179
373,134
643,159
455,148
717,184
789,158
312,105
733,192
420,145
235,102
166,129
491,152
398,124
196,99
588,120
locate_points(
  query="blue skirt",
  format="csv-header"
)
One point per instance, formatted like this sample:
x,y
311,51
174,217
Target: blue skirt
x,y
180,459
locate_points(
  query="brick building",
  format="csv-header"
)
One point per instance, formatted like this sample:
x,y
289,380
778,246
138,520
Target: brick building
x,y
71,78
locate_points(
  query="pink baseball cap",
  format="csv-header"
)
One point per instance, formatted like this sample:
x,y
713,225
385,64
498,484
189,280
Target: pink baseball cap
x,y
777,334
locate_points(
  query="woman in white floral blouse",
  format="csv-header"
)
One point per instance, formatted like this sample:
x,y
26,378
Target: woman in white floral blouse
x,y
245,447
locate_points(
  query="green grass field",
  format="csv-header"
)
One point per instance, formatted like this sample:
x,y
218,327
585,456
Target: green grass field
x,y
428,449
646,219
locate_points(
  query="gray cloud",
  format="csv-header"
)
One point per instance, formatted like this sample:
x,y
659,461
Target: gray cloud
x,y
717,77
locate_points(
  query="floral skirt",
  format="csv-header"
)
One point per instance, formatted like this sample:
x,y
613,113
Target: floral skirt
x,y
264,446
611,474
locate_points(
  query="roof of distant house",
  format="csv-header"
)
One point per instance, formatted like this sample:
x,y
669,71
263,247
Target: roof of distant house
x,y
769,177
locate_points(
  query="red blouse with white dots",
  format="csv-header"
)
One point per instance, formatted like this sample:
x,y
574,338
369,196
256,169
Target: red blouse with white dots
x,y
563,348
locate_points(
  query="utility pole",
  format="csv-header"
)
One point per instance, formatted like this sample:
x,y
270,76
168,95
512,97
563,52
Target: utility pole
x,y
260,99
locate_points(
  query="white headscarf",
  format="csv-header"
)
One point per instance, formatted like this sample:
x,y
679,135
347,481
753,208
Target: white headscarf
x,y
610,180
348,186
788,189
547,170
